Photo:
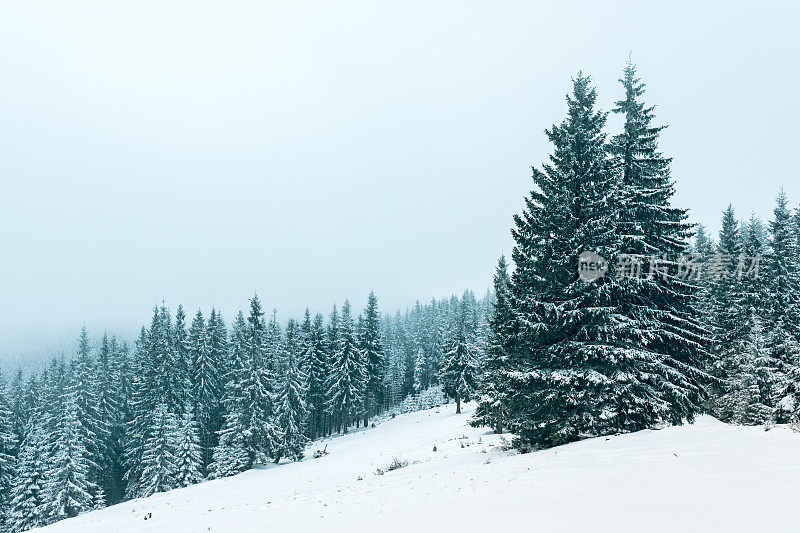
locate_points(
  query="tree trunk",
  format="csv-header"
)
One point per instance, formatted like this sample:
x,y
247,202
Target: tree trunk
x,y
458,405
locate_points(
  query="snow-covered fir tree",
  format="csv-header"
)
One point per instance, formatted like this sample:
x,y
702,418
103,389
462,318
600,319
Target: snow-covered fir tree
x,y
206,384
210,418
188,455
159,464
292,412
649,225
68,491
248,433
374,359
727,311
27,503
435,342
141,406
347,374
749,385
316,362
181,372
259,385
782,271
459,374
587,360
234,453
492,390
122,380
94,430
108,421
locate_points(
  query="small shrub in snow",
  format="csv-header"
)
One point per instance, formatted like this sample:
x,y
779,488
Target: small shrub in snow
x,y
394,465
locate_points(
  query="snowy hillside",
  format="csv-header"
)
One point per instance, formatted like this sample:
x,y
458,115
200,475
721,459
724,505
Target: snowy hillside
x,y
705,477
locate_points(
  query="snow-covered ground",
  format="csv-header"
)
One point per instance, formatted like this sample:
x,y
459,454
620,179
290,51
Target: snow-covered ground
x,y
704,477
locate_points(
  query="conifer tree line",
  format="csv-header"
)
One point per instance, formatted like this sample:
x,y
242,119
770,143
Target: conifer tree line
x,y
195,399
569,358
754,320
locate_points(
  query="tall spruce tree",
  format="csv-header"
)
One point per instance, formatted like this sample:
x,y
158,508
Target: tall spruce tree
x,y
152,389
234,453
292,412
492,390
316,361
435,342
218,346
159,466
94,431
121,380
27,509
460,371
649,225
109,416
727,312
782,271
206,385
248,433
188,455
68,489
142,404
331,346
587,359
347,374
749,386
181,371
259,386
374,359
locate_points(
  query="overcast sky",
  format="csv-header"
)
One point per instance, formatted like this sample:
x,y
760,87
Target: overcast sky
x,y
196,152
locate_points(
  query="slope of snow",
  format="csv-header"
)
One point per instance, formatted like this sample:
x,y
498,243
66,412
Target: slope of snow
x,y
705,477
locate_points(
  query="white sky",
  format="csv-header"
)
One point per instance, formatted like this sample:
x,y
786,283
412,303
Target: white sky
x,y
197,151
